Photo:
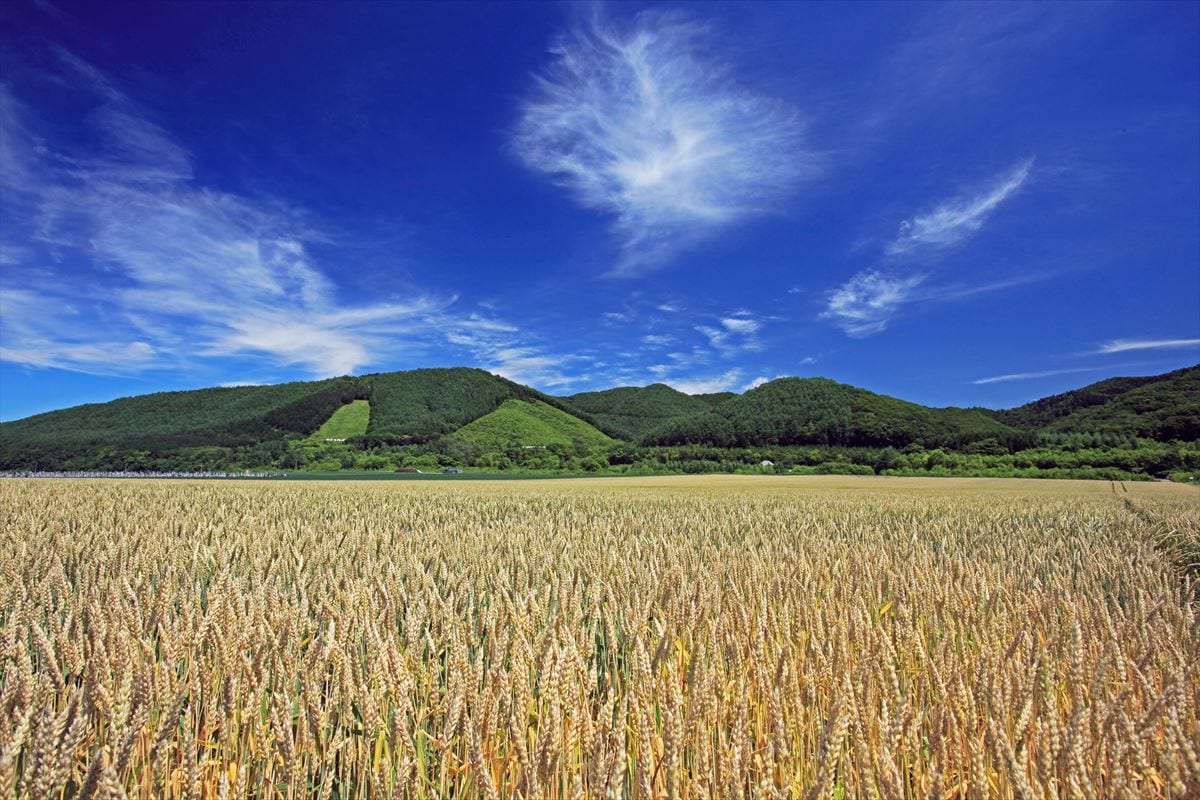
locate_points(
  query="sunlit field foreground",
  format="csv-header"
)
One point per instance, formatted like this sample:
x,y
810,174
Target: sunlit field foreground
x,y
641,638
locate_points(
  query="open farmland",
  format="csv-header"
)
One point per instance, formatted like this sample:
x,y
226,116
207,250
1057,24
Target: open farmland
x,y
640,638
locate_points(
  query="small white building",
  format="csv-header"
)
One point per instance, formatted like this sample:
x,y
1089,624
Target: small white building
x,y
767,463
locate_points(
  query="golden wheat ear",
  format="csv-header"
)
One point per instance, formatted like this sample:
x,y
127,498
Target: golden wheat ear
x,y
633,639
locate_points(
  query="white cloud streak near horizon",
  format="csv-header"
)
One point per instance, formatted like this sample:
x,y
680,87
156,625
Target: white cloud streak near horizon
x,y
497,348
724,382
759,381
1125,345
636,124
1025,376
691,371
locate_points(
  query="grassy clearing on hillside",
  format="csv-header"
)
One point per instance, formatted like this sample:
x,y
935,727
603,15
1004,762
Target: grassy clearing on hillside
x,y
640,638
349,420
530,423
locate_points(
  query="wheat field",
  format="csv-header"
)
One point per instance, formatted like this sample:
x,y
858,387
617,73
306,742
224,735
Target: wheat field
x,y
641,638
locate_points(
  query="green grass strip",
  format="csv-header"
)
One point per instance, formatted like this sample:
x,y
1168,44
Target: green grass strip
x,y
349,420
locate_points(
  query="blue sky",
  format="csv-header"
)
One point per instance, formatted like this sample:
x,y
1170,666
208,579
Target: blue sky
x,y
961,204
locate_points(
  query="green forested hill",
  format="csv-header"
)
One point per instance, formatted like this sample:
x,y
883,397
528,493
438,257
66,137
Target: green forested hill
x,y
715,398
529,423
165,421
818,411
405,408
631,412
1162,407
437,413
422,404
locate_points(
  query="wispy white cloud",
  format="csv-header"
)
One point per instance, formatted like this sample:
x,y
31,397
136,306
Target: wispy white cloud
x,y
681,362
1125,345
500,347
693,349
716,337
755,383
49,330
730,342
733,334
951,54
759,381
960,290
164,273
707,385
532,366
953,221
1025,376
638,125
866,303
741,324
693,371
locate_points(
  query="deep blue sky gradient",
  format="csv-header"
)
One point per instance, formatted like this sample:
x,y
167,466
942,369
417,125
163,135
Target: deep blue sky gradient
x,y
916,199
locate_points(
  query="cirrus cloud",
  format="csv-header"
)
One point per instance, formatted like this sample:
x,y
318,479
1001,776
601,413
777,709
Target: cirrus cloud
x,y
637,124
1125,345
955,220
118,261
724,382
865,304
1028,376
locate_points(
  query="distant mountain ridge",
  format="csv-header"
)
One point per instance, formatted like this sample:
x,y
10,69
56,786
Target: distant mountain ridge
x,y
485,410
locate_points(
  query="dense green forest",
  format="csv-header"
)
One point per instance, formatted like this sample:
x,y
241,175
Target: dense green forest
x,y
1049,410
423,404
798,411
168,422
632,412
432,419
1162,408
